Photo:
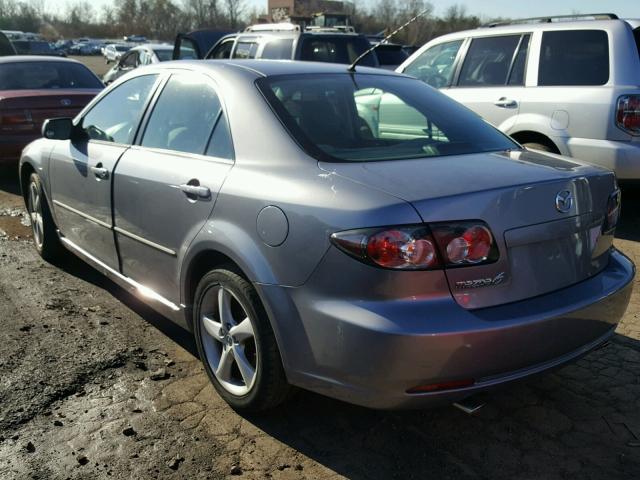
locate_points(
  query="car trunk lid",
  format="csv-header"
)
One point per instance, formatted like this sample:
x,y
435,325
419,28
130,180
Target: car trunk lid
x,y
542,247
26,110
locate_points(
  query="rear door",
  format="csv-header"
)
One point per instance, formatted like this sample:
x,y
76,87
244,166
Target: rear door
x,y
82,169
165,187
492,77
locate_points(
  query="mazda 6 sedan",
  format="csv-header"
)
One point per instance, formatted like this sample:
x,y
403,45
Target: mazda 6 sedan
x,y
357,234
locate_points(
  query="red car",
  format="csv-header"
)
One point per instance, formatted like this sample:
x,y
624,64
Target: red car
x,y
33,89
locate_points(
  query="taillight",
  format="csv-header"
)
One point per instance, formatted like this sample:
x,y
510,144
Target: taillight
x,y
613,211
16,120
628,114
420,247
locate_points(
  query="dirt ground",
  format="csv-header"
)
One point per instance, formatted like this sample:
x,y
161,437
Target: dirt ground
x,y
95,62
95,385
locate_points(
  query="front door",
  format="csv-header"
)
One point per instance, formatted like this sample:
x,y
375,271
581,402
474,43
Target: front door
x,y
492,78
165,188
82,169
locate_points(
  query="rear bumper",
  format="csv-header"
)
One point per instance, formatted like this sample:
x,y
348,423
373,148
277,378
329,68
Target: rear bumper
x,y
11,146
621,157
371,353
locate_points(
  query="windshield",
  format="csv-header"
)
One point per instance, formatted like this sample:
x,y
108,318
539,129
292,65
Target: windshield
x,y
46,75
163,55
337,49
362,118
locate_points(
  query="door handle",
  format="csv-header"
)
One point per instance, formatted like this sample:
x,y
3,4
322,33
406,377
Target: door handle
x,y
195,190
100,172
505,102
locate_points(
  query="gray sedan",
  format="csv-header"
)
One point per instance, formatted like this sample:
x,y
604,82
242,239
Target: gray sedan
x,y
356,234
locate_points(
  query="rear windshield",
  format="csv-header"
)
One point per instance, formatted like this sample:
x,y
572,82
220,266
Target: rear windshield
x,y
46,75
391,55
336,49
363,118
574,58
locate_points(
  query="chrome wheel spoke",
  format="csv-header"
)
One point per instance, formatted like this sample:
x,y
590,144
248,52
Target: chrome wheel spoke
x,y
224,307
223,372
213,327
242,331
246,369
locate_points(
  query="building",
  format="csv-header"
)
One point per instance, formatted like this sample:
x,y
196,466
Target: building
x,y
324,13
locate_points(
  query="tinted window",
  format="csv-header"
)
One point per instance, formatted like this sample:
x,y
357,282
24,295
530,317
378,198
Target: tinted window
x,y
44,75
280,49
520,62
488,61
163,55
184,115
115,117
220,144
391,55
636,35
434,66
187,49
574,57
223,50
374,117
343,49
246,50
130,60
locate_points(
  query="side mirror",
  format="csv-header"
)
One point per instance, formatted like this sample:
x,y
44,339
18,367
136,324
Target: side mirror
x,y
57,129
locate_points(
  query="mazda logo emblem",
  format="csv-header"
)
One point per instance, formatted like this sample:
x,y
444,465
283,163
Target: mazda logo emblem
x,y
65,102
564,201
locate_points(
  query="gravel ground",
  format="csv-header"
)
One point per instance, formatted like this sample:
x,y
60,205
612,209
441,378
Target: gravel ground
x,y
93,384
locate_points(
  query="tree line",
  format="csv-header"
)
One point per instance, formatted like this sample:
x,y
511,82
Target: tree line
x,y
162,19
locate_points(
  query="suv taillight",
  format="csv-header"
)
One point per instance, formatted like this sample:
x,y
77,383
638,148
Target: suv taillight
x,y
420,247
628,114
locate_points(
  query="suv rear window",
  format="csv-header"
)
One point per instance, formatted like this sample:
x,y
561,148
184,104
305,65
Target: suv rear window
x,y
366,118
574,58
337,49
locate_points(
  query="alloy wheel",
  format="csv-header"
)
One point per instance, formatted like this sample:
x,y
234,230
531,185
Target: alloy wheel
x,y
229,340
35,213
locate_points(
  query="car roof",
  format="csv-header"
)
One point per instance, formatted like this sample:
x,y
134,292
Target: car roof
x,y
154,46
267,68
532,27
35,58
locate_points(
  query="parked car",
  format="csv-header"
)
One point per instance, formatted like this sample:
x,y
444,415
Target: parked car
x,y
33,89
138,57
285,41
384,266
194,45
31,47
135,38
113,52
81,48
6,47
568,87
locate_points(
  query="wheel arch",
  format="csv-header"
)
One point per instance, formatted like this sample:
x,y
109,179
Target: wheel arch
x,y
530,136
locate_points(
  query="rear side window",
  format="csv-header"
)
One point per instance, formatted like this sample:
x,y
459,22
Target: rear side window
x,y
488,61
434,66
279,49
246,50
184,116
575,58
516,77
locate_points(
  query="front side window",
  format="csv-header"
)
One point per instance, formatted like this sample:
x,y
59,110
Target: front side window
x,y
184,115
246,50
279,49
115,117
435,65
361,118
488,61
574,58
164,55
130,60
223,50
187,50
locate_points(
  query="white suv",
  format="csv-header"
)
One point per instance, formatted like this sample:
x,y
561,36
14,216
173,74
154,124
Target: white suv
x,y
569,87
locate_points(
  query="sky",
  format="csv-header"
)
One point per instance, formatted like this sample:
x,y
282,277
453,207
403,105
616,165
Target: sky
x,y
486,9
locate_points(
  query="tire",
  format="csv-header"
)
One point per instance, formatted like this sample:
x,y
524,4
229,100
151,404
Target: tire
x,y
246,345
538,146
45,235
